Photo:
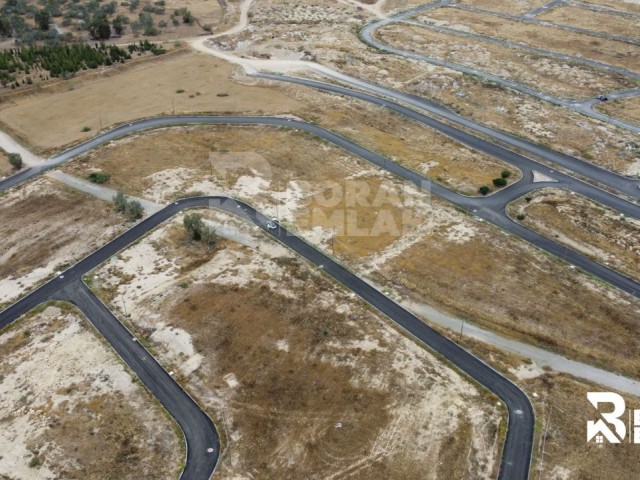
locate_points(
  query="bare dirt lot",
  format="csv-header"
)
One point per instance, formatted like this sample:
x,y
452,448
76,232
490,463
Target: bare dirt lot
x,y
596,21
277,353
69,409
585,226
550,38
546,74
45,226
184,82
627,109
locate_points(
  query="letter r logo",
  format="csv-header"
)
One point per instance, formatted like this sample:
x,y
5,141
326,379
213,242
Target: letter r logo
x,y
599,429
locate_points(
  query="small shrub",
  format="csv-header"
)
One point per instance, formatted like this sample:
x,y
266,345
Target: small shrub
x,y
528,199
500,182
222,95
134,210
520,216
505,174
483,190
15,159
99,177
34,462
180,90
86,129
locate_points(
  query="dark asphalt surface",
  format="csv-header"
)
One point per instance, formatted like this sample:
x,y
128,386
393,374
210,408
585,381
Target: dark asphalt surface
x,y
197,427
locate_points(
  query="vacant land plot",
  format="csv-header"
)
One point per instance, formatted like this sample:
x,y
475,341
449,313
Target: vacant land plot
x,y
186,82
509,286
562,412
507,6
550,38
585,226
278,353
626,108
549,75
69,409
45,226
596,21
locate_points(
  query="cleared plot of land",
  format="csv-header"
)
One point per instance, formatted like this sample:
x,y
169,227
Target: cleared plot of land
x,y
562,411
549,38
302,377
626,108
184,82
596,21
549,75
507,6
69,409
585,226
507,285
45,226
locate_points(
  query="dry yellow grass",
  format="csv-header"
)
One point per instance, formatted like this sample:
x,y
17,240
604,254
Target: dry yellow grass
x,y
626,108
549,38
508,286
507,6
543,73
5,166
305,381
620,5
48,121
596,21
585,226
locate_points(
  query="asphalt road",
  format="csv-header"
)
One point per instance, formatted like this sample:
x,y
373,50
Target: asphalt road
x,y
584,107
197,427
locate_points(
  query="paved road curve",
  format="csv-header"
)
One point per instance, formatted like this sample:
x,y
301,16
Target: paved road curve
x,y
197,427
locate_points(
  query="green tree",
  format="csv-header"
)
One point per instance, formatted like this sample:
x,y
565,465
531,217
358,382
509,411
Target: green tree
x,y
134,210
499,182
99,28
483,189
209,237
42,19
193,225
505,174
15,159
119,24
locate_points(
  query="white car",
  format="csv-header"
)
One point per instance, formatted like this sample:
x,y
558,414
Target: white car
x,y
271,225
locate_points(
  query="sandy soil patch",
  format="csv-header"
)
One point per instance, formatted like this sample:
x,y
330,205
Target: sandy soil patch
x,y
145,90
585,226
596,21
69,409
549,38
626,108
43,228
558,78
285,354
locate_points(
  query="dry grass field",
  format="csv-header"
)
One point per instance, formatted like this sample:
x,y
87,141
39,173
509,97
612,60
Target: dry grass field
x,y
278,353
69,408
507,6
5,167
620,5
185,82
45,226
508,286
627,109
585,226
546,74
596,21
550,38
